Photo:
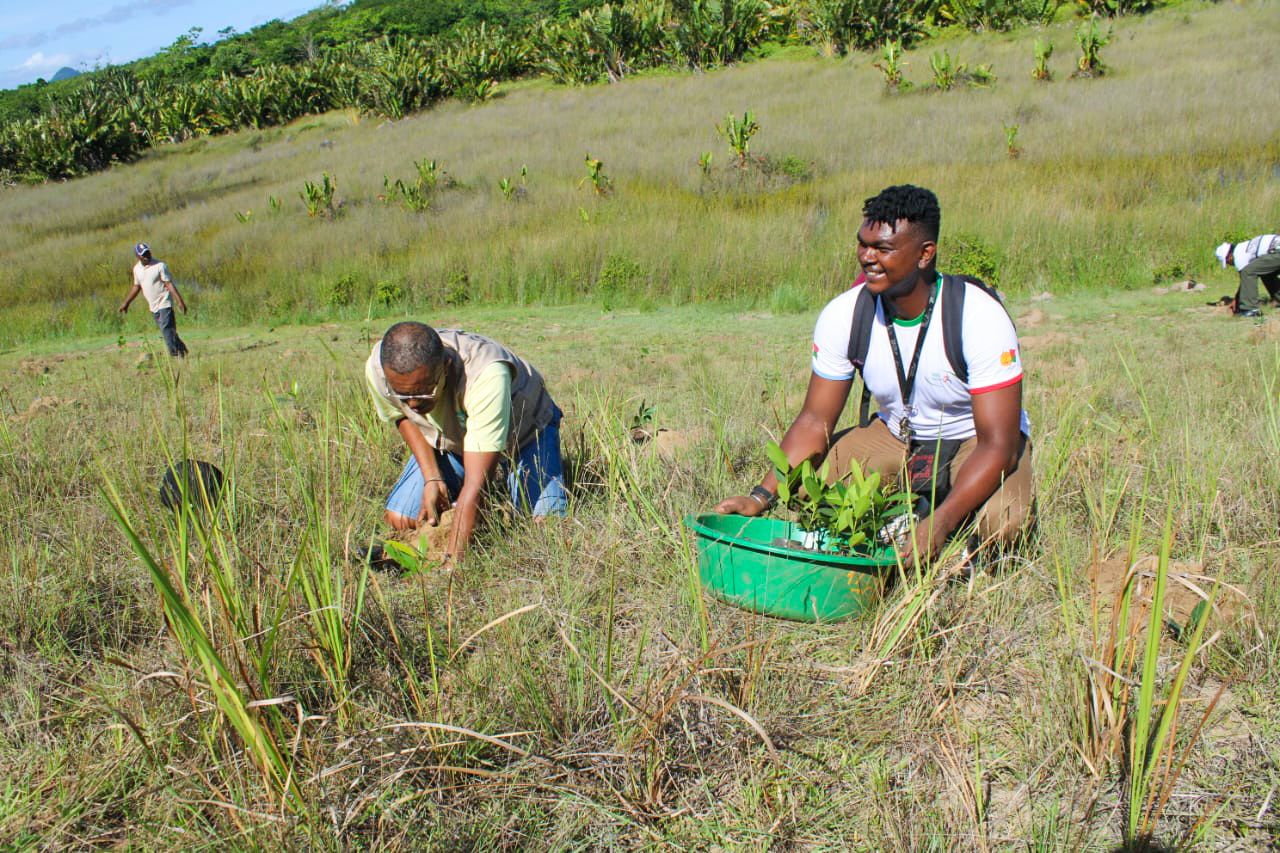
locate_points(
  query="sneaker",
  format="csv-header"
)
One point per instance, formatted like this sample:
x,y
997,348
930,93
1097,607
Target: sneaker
x,y
1252,312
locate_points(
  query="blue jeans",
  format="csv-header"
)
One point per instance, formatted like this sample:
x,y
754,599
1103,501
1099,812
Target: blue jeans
x,y
535,481
169,328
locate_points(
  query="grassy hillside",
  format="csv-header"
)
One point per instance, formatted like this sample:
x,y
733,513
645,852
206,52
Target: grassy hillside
x,y
1118,177
570,687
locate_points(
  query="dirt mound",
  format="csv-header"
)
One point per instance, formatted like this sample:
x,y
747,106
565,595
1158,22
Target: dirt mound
x,y
40,405
38,366
432,542
1187,588
668,443
1031,319
1187,286
1264,332
1036,342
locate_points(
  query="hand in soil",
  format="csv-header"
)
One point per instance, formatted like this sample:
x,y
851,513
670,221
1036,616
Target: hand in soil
x,y
435,501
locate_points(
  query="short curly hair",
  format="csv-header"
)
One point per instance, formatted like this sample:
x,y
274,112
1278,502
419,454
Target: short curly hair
x,y
407,346
917,205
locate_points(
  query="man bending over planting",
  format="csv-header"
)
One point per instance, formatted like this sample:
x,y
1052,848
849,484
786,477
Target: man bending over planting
x,y
1256,260
467,407
948,386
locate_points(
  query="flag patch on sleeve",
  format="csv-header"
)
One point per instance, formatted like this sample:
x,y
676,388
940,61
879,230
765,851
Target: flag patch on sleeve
x,y
1008,357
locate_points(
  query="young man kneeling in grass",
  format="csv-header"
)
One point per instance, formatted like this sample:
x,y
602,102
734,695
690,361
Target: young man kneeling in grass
x,y
467,407
942,430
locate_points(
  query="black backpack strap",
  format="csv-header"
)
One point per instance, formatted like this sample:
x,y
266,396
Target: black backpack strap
x,y
953,291
864,317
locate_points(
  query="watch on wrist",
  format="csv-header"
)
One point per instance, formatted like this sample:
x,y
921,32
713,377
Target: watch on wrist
x,y
766,498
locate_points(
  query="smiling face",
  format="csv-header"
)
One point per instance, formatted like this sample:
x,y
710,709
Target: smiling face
x,y
893,256
419,389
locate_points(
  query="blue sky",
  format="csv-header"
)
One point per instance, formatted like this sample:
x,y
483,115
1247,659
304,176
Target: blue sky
x,y
36,39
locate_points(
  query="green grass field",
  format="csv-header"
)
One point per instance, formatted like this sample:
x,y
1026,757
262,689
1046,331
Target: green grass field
x,y
571,688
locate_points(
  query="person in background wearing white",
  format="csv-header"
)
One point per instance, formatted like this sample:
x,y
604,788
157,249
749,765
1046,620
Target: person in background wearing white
x,y
1256,259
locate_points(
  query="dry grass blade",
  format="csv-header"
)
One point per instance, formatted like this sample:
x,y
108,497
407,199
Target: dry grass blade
x,y
492,624
265,703
744,716
471,733
631,706
1171,777
971,794
896,623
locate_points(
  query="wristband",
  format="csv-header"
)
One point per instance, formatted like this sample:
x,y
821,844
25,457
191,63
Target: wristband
x,y
766,498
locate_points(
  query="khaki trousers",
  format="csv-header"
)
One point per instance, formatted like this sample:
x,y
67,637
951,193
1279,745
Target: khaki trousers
x,y
1265,269
1003,518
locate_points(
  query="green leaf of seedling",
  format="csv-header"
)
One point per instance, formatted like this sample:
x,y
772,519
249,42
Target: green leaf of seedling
x,y
893,510
406,556
784,490
778,458
812,485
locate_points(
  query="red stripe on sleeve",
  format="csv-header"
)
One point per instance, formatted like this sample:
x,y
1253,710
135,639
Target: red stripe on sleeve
x,y
997,387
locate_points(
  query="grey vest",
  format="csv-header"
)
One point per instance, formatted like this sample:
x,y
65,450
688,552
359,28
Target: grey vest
x,y
531,406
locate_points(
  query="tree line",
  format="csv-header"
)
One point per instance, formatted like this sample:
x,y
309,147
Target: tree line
x,y
394,57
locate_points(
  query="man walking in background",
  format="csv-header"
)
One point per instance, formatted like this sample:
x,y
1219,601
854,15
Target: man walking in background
x,y
1256,259
151,277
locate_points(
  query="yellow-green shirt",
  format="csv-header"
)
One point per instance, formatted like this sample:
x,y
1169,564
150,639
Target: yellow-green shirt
x,y
484,412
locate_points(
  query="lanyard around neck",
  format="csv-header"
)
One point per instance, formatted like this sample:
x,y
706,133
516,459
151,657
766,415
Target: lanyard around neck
x,y
907,379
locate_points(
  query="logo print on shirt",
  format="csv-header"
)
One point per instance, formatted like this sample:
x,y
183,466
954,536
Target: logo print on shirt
x,y
1008,358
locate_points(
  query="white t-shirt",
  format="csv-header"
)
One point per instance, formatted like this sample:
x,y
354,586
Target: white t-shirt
x,y
1249,251
151,279
942,405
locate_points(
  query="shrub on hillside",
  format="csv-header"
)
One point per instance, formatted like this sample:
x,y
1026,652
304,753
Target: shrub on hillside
x,y
457,289
1001,15
840,26
343,291
619,276
389,292
971,255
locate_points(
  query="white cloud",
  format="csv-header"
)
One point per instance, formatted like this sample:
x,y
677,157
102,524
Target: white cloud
x,y
118,14
39,62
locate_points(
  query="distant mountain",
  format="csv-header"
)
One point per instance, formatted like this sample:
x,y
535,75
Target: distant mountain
x,y
64,73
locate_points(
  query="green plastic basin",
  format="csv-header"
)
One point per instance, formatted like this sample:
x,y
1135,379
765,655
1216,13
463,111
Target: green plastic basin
x,y
739,563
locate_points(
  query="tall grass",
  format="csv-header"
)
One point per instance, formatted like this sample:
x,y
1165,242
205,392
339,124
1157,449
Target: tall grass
x,y
570,685
1118,176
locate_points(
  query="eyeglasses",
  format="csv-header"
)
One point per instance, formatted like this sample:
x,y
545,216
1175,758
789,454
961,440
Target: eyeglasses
x,y
426,398
408,398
